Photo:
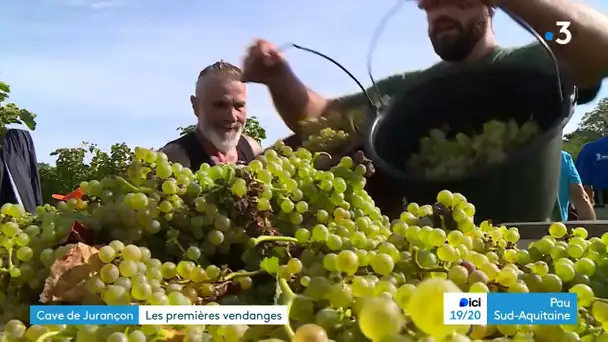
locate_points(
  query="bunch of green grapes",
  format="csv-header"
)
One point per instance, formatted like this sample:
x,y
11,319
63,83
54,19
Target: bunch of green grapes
x,y
283,231
26,253
334,133
441,157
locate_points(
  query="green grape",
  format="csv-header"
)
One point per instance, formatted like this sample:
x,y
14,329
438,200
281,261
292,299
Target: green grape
x,y
584,294
447,253
310,333
118,337
458,274
551,283
107,254
565,272
380,318
169,270
437,237
347,262
115,295
334,242
25,254
445,197
127,268
136,336
131,252
599,310
558,230
320,233
585,266
382,264
109,273
215,237
302,235
15,328
193,253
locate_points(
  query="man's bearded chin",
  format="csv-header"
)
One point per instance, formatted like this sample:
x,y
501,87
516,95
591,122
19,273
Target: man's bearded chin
x,y
223,141
458,48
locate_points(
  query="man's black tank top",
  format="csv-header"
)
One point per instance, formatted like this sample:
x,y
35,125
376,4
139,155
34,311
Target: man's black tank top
x,y
198,156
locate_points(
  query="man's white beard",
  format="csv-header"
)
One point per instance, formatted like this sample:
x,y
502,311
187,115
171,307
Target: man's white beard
x,y
224,142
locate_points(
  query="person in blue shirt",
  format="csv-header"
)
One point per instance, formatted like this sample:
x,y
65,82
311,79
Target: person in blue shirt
x,y
592,165
571,190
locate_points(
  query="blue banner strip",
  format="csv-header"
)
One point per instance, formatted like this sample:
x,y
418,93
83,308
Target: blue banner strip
x,y
84,314
532,308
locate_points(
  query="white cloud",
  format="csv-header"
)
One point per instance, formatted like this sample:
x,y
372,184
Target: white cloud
x,y
91,4
100,5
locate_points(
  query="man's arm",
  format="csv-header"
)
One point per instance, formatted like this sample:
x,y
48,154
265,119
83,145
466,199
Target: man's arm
x,y
581,202
295,102
586,52
176,154
584,171
578,196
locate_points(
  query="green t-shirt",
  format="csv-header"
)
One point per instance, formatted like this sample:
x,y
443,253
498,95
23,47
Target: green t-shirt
x,y
530,56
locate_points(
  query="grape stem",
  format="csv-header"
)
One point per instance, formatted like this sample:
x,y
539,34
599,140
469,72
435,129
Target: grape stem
x,y
49,334
242,274
289,296
421,269
174,241
264,238
10,259
132,187
593,331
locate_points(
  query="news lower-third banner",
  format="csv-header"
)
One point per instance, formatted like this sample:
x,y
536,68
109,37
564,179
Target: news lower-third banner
x,y
510,308
159,315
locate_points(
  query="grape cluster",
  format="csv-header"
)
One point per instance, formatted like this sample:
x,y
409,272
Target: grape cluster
x,y
281,230
441,157
334,133
27,250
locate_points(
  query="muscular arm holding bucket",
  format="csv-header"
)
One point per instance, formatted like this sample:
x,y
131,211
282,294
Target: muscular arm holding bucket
x,y
462,36
586,53
293,99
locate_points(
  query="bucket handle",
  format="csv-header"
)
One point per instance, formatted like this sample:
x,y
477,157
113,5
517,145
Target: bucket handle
x,y
569,101
565,99
384,21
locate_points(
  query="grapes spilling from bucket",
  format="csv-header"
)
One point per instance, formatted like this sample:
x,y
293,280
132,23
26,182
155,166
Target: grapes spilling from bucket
x,y
332,133
281,231
441,156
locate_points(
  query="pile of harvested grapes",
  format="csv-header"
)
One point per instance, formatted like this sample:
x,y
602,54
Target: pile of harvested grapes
x,y
440,157
280,230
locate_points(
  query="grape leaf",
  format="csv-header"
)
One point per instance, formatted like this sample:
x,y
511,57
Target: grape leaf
x,y
69,274
270,265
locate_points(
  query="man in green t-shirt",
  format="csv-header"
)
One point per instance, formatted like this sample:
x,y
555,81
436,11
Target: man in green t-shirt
x,y
461,34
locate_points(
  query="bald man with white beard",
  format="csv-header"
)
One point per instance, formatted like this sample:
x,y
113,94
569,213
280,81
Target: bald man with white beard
x,y
220,104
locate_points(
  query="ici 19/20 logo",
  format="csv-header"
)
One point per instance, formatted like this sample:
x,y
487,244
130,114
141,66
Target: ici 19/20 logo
x,y
470,302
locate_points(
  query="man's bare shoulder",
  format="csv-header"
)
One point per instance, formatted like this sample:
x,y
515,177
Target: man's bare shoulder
x,y
176,154
255,145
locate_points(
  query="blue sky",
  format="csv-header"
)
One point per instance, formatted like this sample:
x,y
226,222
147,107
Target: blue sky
x,y
107,71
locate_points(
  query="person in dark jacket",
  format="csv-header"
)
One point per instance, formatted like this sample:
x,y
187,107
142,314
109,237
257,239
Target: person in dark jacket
x,y
220,104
